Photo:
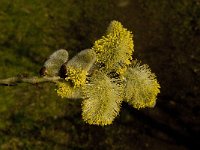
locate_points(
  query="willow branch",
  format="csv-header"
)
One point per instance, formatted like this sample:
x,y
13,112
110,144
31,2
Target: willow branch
x,y
32,80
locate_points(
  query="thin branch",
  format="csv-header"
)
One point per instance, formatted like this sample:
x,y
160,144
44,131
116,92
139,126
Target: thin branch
x,y
32,80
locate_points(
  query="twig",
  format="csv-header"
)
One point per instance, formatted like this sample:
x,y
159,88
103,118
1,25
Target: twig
x,y
32,80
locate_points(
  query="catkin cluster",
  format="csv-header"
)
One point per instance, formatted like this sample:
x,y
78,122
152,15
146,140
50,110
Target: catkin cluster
x,y
105,75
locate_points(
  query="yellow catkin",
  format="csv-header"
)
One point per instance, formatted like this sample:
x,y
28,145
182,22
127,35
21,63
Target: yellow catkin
x,y
78,67
77,76
111,76
141,86
102,100
115,48
66,90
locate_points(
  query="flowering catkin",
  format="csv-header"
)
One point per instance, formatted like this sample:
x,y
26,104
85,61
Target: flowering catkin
x,y
115,49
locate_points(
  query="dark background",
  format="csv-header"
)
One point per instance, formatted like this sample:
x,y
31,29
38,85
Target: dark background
x,y
166,37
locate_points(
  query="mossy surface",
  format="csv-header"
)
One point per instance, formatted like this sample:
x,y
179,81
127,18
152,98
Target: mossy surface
x,y
167,34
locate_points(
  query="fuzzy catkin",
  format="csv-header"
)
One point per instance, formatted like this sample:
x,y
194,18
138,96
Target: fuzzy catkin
x,y
141,86
102,100
115,49
55,61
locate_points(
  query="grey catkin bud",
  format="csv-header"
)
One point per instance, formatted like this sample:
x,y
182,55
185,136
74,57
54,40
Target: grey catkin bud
x,y
83,60
55,61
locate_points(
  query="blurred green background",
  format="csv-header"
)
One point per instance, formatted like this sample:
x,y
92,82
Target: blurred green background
x,y
166,36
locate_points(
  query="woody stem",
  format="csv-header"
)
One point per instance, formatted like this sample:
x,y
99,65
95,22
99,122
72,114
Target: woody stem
x,y
32,80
